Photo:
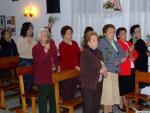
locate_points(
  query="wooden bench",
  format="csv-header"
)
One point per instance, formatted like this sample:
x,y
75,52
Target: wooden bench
x,y
22,71
57,78
140,77
8,63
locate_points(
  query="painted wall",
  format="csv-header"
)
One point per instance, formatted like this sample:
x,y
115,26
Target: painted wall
x,y
9,8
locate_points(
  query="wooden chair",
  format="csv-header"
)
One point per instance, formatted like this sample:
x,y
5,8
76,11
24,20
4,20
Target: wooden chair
x,y
8,63
140,77
22,71
57,78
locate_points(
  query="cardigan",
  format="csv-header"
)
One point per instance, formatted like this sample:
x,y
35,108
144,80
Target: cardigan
x,y
24,48
111,56
125,68
69,55
42,63
90,66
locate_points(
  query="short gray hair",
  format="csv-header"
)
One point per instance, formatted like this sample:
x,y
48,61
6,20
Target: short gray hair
x,y
41,31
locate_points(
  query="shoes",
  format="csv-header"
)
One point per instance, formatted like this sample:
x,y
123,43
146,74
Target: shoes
x,y
109,112
123,109
64,111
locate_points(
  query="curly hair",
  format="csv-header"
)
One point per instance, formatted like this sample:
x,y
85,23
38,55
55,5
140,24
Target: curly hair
x,y
87,37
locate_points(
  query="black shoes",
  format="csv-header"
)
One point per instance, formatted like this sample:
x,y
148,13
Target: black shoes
x,y
123,109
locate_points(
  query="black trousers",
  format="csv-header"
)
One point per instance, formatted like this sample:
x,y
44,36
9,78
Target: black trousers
x,y
46,92
68,88
91,99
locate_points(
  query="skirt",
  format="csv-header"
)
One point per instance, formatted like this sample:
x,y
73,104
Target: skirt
x,y
126,83
110,91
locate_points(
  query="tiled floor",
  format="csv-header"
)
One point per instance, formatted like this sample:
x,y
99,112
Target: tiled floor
x,y
12,102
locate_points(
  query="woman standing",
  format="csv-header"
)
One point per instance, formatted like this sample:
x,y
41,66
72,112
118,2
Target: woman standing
x,y
113,57
44,54
69,59
24,45
127,71
91,75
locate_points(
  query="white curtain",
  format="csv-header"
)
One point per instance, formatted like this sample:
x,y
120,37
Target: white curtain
x,y
86,13
90,13
140,14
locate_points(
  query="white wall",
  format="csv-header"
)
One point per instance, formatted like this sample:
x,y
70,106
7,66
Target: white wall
x,y
9,8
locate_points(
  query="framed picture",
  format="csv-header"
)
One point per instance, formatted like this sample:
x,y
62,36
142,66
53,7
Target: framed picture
x,y
15,0
11,24
2,22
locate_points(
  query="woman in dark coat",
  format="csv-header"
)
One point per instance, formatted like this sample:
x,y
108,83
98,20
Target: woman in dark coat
x,y
92,73
7,45
7,48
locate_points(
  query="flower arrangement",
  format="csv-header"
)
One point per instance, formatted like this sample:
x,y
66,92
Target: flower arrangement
x,y
52,19
108,5
112,5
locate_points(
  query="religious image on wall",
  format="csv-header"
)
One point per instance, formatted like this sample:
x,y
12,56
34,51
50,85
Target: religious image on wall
x,y
11,24
112,5
2,23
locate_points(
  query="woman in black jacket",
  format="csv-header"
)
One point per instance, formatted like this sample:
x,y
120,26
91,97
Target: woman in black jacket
x,y
91,75
7,48
7,45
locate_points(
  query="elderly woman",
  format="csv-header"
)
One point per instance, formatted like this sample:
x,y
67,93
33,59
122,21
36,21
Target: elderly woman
x,y
91,76
44,53
113,57
127,71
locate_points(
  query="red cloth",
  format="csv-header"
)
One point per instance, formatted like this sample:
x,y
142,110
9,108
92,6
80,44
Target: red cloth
x,y
125,68
43,63
69,55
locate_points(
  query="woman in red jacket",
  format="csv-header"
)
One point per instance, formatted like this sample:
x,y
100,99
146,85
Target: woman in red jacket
x,y
44,55
127,72
69,58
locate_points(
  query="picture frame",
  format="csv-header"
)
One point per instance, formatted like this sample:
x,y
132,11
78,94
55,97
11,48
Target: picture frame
x,y
11,24
2,22
15,0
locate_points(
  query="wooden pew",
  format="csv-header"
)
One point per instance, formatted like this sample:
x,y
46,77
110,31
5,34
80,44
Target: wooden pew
x,y
140,77
22,71
8,63
57,78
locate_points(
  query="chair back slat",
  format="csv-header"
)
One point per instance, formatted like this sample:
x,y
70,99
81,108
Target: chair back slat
x,y
22,71
9,62
142,77
64,75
